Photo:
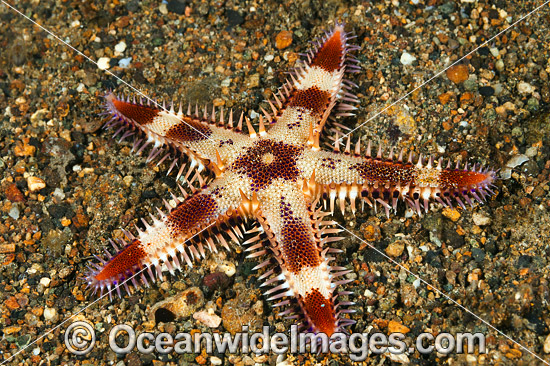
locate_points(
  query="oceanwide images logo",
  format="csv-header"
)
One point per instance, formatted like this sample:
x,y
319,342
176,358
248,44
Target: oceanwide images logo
x,y
80,339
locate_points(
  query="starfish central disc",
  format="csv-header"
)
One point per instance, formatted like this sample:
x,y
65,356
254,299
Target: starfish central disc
x,y
268,160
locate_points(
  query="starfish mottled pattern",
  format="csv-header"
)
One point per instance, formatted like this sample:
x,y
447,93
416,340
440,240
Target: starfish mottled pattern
x,y
281,178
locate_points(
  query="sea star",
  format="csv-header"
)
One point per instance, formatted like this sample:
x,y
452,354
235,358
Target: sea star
x,y
279,177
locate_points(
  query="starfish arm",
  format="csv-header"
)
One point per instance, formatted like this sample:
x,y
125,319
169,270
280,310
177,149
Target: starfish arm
x,y
207,140
169,237
306,101
295,237
387,180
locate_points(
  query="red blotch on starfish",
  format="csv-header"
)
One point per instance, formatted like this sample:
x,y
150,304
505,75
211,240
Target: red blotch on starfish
x,y
192,214
329,56
189,130
386,171
123,264
321,312
299,249
313,99
449,179
140,114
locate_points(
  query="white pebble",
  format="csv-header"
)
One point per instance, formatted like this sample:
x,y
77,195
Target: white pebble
x,y
49,313
516,160
59,194
531,152
34,269
498,89
407,58
124,62
210,320
228,268
547,344
269,57
14,212
215,360
35,183
45,281
103,63
399,358
480,219
120,47
525,88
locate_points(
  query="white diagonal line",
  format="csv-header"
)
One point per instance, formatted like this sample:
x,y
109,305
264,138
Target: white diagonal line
x,y
445,69
445,295
92,303
95,63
